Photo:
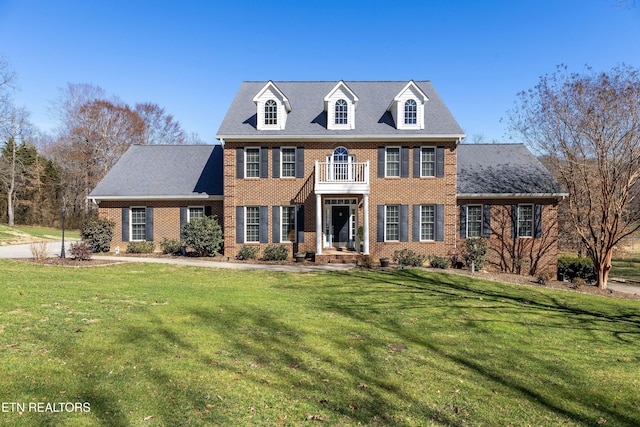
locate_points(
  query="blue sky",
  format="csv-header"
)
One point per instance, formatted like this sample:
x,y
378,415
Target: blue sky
x,y
190,57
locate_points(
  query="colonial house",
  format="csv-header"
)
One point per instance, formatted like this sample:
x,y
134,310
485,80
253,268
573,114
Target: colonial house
x,y
335,169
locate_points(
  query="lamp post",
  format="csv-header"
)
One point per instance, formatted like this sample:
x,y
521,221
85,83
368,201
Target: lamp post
x,y
64,211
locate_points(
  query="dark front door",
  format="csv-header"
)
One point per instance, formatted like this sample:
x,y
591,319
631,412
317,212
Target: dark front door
x,y
340,222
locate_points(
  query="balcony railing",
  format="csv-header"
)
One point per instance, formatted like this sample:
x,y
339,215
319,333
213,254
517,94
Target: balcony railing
x,y
342,177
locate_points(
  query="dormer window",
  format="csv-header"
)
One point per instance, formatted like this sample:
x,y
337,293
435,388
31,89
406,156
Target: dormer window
x,y
410,112
270,112
342,112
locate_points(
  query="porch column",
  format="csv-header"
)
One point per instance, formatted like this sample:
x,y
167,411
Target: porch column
x,y
318,224
365,225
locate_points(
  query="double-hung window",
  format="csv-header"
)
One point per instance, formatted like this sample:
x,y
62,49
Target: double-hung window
x,y
392,223
392,162
428,161
252,224
252,163
138,224
288,159
195,212
525,221
288,224
427,222
474,221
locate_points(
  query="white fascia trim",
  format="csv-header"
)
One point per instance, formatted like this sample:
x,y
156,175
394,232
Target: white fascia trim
x,y
332,137
511,195
144,198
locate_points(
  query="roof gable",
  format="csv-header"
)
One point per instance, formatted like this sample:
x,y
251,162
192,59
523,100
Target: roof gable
x,y
346,117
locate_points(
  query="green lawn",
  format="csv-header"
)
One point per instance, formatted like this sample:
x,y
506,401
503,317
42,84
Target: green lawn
x,y
626,268
26,234
159,345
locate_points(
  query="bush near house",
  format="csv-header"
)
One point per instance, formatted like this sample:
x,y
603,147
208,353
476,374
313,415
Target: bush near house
x,y
248,252
140,247
571,268
204,235
171,246
475,250
99,233
409,258
275,253
437,261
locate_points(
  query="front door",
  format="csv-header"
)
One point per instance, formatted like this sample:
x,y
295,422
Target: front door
x,y
340,222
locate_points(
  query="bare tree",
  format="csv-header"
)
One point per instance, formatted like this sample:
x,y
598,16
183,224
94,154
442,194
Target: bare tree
x,y
160,127
588,127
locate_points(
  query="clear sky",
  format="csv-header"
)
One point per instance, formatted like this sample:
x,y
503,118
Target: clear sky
x,y
191,56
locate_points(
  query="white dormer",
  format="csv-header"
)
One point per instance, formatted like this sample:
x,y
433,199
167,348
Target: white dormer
x,y
407,108
340,105
271,107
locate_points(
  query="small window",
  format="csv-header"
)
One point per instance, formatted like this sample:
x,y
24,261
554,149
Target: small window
x,y
428,161
270,112
252,224
138,224
410,112
392,162
525,220
427,222
342,112
195,213
392,223
288,224
474,221
252,163
288,163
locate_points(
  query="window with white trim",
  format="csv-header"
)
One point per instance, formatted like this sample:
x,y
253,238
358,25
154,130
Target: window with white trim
x,y
427,161
288,224
138,224
252,163
525,221
288,162
271,112
392,223
474,221
252,224
427,222
341,112
195,212
410,112
392,162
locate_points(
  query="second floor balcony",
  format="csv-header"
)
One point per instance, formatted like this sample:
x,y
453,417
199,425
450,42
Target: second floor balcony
x,y
345,178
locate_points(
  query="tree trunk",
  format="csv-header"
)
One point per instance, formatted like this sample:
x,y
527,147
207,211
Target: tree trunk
x,y
12,187
603,269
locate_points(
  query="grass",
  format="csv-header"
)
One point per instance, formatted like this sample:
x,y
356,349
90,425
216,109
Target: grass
x,y
156,345
27,234
626,268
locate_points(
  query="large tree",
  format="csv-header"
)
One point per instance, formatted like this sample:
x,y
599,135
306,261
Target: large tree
x,y
587,125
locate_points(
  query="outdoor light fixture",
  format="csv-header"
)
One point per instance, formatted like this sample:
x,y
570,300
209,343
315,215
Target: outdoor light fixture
x,y
64,212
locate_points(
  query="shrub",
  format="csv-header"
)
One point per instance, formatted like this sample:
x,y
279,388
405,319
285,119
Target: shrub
x,y
82,250
40,250
171,246
204,235
409,258
543,278
248,252
276,253
475,250
98,232
367,262
570,268
439,262
140,247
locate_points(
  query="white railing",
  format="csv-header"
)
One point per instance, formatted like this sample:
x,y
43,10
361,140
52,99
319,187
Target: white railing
x,y
342,173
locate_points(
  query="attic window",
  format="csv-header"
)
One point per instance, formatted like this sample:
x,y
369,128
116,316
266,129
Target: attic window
x,y
270,112
410,112
342,112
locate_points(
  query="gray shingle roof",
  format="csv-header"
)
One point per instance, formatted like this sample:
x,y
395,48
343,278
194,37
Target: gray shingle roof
x,y
308,118
164,171
501,170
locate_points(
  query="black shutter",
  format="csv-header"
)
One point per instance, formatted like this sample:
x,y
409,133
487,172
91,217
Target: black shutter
x,y
275,223
149,224
439,223
264,162
381,158
240,162
537,221
300,162
207,211
416,162
300,224
417,217
463,221
486,221
380,224
125,224
239,224
183,220
276,162
264,224
514,221
439,162
404,162
404,223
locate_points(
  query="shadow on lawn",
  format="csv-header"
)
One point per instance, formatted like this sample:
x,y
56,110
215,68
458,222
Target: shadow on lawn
x,y
425,290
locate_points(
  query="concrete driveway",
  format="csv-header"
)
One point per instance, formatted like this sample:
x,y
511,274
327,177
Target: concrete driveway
x,y
24,251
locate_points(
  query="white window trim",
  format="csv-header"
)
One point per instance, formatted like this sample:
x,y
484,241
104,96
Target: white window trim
x,y
434,223
295,161
434,161
404,114
194,207
246,163
295,223
481,222
533,216
385,224
266,125
386,151
246,228
131,208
